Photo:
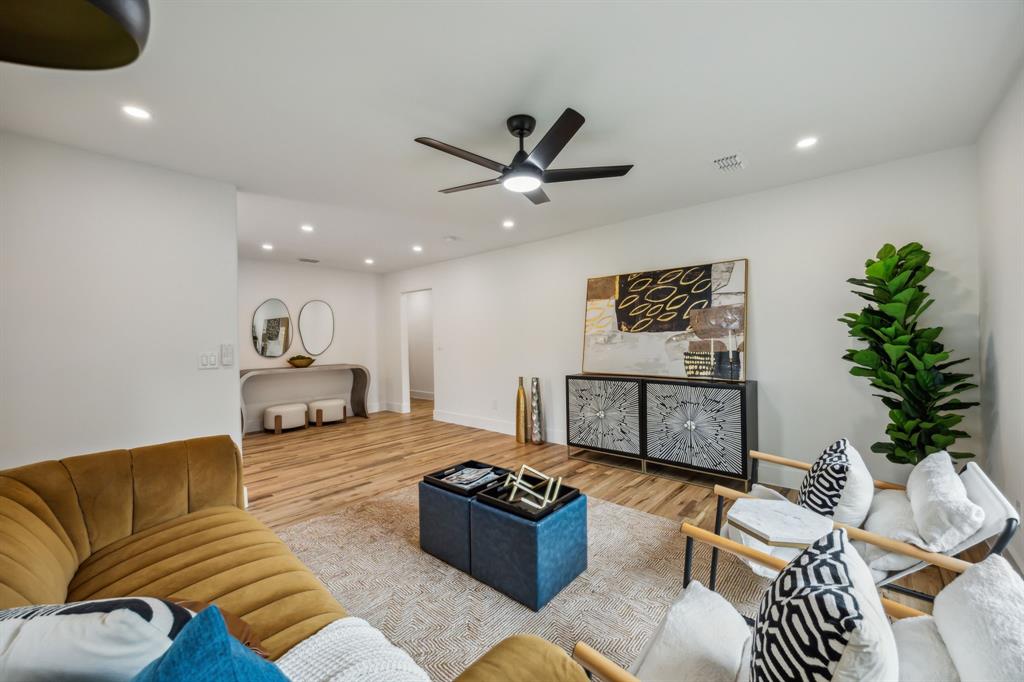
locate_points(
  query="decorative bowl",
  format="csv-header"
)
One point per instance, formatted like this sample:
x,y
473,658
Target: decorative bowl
x,y
300,361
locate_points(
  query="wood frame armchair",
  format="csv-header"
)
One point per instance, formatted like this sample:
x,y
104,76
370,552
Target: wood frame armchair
x,y
1009,519
595,663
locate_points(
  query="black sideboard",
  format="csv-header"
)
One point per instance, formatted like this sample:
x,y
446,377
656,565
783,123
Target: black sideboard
x,y
660,425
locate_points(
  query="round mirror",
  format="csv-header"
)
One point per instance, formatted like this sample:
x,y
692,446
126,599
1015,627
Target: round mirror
x,y
271,328
316,325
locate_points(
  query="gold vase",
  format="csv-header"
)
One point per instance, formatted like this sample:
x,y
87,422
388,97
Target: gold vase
x,y
522,432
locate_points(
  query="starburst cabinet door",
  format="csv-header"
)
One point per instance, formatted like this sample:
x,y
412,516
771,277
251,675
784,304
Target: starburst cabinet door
x,y
696,425
603,414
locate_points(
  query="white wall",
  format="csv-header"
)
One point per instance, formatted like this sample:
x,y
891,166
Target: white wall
x,y
353,296
519,311
114,277
420,325
1001,170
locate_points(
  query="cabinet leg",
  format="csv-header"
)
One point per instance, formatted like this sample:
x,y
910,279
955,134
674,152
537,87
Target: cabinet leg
x,y
277,424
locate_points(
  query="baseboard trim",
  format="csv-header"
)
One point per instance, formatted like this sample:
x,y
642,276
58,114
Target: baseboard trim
x,y
422,395
505,426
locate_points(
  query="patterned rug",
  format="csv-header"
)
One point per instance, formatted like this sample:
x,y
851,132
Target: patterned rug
x,y
368,555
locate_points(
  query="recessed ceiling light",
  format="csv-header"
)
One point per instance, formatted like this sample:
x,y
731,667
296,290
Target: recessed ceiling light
x,y
508,224
417,248
268,247
807,143
136,112
368,261
307,228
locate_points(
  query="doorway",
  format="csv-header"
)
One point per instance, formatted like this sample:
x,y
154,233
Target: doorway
x,y
419,328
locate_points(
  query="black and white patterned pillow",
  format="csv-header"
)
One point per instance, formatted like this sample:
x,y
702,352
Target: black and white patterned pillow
x,y
838,485
110,639
821,619
167,617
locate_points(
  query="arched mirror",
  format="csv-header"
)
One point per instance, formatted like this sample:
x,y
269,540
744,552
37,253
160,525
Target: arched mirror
x,y
272,328
316,325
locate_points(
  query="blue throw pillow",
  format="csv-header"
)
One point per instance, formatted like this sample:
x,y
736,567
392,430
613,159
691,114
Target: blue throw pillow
x,y
204,650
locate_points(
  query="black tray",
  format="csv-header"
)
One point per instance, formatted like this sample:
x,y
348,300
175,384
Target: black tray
x,y
496,495
435,478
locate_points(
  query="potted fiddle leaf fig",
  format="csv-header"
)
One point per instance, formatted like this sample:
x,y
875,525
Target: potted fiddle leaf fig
x,y
904,360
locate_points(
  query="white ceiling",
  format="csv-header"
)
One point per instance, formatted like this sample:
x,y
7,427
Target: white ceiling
x,y
311,108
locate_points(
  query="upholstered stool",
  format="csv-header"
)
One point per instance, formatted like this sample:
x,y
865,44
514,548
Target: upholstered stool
x,y
288,416
327,410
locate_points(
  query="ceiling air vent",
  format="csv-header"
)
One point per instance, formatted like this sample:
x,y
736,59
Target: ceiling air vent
x,y
730,163
308,260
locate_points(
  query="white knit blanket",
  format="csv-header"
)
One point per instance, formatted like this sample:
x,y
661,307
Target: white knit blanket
x,y
349,650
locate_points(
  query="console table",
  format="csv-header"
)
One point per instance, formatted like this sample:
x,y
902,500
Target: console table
x,y
664,427
360,383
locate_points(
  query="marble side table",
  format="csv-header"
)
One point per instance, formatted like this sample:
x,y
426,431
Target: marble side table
x,y
778,523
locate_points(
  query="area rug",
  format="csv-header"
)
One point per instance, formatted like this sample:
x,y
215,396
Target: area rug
x,y
368,555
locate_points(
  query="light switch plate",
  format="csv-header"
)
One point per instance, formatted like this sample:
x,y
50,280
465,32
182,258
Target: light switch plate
x,y
227,354
208,361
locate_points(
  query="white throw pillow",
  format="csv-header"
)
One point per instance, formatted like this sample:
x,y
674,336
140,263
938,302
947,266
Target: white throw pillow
x,y
106,639
822,619
943,513
891,516
980,619
923,655
838,485
702,639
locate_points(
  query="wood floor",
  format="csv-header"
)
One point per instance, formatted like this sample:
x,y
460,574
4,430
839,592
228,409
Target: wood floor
x,y
309,472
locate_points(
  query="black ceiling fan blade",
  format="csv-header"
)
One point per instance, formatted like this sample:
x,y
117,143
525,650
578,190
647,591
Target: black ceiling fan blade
x,y
537,196
472,185
556,138
569,174
463,154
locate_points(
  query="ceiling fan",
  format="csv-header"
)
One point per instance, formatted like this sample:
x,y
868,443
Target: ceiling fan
x,y
527,172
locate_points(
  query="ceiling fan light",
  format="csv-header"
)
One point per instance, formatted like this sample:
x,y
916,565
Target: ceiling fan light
x,y
521,182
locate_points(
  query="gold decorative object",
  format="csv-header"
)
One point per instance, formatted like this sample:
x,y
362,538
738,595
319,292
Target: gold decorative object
x,y
300,361
551,487
522,430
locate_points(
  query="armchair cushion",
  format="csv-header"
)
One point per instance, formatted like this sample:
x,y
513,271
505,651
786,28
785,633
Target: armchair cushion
x,y
891,516
701,638
838,485
923,655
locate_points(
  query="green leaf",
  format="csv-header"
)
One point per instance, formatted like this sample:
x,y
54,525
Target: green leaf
x,y
905,296
961,455
897,310
867,357
918,365
899,281
887,251
942,441
862,372
894,352
926,306
930,359
909,249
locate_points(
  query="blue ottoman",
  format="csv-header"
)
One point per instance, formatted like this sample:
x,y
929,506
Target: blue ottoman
x,y
444,525
530,561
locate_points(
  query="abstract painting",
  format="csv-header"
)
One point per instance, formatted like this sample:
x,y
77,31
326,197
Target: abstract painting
x,y
696,425
685,322
604,414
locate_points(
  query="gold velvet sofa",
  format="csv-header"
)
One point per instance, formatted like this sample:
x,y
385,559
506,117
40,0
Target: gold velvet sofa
x,y
167,521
